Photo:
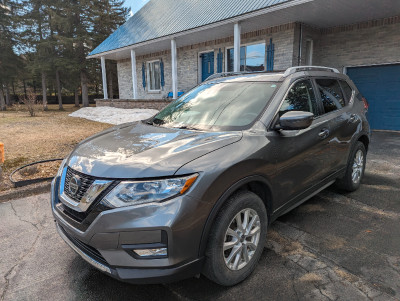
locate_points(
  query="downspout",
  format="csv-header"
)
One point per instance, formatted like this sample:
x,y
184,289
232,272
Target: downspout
x,y
300,45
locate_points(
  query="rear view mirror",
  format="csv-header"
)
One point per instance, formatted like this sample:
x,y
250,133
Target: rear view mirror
x,y
295,120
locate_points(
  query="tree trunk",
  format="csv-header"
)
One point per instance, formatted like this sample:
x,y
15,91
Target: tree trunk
x,y
3,106
77,98
60,105
26,96
44,91
13,88
110,85
85,96
8,97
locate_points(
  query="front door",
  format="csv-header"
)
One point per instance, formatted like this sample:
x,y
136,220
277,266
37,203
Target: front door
x,y
302,154
207,65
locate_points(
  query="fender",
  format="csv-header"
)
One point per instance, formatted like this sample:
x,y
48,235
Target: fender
x,y
221,201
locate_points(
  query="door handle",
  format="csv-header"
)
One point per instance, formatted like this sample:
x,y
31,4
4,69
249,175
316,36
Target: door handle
x,y
353,118
324,133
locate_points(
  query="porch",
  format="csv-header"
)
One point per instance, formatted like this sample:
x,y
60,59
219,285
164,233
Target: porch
x,y
292,33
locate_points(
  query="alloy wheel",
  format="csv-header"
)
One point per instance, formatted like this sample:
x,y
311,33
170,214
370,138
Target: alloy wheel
x,y
358,165
241,239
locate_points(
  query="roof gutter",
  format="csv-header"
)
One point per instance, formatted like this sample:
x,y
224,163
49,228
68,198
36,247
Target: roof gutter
x,y
246,16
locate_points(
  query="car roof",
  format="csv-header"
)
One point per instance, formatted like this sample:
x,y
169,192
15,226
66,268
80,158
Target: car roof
x,y
265,76
249,77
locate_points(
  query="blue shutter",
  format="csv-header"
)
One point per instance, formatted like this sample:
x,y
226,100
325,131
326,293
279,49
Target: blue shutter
x,y
219,61
144,76
162,73
270,56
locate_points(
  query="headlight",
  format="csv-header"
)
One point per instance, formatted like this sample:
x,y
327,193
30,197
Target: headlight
x,y
139,192
60,170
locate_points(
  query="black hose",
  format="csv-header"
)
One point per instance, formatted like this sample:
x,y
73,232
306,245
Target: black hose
x,y
33,181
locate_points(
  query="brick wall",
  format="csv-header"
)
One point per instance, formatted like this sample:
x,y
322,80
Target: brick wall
x,y
368,43
189,74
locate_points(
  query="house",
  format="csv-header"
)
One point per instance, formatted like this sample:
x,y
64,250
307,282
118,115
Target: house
x,y
173,45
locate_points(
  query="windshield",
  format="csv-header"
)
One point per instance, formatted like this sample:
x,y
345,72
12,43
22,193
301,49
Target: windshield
x,y
218,105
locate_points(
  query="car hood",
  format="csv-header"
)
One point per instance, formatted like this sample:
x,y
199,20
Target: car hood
x,y
140,150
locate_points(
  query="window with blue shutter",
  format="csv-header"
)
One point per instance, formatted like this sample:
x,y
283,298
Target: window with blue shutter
x,y
270,56
162,73
144,75
219,61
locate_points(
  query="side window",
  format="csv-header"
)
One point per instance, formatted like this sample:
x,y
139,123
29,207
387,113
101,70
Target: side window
x,y
301,97
331,94
348,91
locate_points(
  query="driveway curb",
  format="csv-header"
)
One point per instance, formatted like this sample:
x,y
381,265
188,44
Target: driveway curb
x,y
22,192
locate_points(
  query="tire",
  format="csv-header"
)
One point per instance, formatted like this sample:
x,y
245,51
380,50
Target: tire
x,y
348,183
215,268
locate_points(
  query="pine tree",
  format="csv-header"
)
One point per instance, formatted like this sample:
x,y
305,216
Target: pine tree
x,y
108,15
9,61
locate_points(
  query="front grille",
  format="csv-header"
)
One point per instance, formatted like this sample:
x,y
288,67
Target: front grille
x,y
88,250
86,182
82,220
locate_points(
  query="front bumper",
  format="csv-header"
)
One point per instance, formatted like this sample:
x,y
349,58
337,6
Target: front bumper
x,y
108,242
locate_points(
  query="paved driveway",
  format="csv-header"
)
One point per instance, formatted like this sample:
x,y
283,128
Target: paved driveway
x,y
333,247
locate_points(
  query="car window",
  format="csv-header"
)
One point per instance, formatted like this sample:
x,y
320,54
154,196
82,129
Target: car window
x,y
301,97
331,94
223,105
348,91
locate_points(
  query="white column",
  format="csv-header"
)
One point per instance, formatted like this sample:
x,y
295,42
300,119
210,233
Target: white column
x,y
134,76
103,73
174,69
236,47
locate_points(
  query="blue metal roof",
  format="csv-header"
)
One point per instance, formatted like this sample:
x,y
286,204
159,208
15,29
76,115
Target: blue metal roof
x,y
160,18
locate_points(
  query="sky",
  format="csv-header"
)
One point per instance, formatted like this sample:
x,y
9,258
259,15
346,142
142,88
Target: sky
x,y
135,5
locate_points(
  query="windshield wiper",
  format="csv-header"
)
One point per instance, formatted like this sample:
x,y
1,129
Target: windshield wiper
x,y
185,127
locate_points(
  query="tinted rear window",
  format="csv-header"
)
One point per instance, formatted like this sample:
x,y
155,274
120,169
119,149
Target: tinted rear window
x,y
348,91
331,94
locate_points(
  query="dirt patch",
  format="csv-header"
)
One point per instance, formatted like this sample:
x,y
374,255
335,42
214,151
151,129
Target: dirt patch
x,y
345,275
40,170
334,242
48,135
311,277
312,208
286,247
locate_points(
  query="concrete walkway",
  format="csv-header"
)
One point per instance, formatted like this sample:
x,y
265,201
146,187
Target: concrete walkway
x,y
333,247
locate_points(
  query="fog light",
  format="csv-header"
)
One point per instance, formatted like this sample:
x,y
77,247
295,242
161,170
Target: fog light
x,y
158,252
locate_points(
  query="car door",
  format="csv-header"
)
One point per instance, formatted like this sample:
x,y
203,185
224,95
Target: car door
x,y
342,121
300,154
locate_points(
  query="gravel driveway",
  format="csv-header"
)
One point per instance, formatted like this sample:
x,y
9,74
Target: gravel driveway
x,y
333,247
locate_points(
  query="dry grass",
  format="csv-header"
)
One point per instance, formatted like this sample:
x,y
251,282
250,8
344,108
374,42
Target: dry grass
x,y
50,134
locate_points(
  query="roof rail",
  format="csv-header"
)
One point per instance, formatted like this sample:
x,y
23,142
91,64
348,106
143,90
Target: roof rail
x,y
230,73
308,68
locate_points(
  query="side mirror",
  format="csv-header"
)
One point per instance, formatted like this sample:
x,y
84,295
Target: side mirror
x,y
295,120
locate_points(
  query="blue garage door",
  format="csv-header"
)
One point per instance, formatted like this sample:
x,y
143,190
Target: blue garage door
x,y
380,85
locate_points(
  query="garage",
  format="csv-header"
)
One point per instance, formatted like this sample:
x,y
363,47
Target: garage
x,y
380,85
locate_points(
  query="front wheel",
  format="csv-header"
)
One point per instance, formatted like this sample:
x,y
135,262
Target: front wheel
x,y
355,169
237,239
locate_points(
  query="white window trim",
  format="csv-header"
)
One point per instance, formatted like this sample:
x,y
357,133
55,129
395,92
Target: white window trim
x,y
247,44
199,64
148,76
311,51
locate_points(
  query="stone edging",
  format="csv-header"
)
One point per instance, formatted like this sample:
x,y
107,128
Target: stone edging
x,y
22,192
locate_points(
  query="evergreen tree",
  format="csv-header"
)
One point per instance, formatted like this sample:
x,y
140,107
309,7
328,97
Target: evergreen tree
x,y
108,15
9,61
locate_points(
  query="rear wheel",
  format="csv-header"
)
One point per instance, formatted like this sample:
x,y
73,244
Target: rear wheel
x,y
237,239
355,169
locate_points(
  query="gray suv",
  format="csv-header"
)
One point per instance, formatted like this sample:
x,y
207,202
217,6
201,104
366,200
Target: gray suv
x,y
193,189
